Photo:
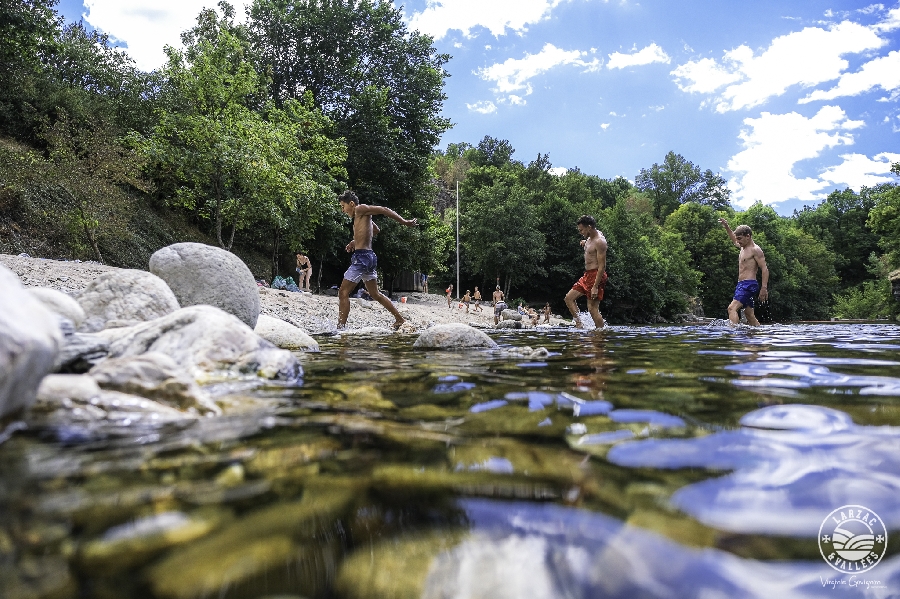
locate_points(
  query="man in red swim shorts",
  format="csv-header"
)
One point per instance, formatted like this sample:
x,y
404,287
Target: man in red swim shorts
x,y
590,284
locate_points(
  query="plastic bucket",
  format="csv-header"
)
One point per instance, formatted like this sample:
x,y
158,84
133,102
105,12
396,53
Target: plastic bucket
x,y
403,299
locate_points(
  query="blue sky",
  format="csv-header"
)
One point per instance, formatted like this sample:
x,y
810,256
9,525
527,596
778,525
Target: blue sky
x,y
788,101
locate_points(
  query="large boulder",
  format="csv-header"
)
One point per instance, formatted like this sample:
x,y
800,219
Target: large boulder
x,y
123,298
29,341
204,341
510,315
203,274
283,334
79,352
453,335
59,303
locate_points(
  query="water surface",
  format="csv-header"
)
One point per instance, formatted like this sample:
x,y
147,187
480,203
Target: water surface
x,y
629,462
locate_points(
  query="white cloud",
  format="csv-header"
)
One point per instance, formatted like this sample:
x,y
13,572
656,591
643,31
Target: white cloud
x,y
514,74
613,113
605,126
440,16
146,26
858,170
516,100
483,107
883,72
871,9
774,144
648,55
807,57
890,22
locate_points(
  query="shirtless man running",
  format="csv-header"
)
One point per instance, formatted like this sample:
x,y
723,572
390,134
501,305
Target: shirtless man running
x,y
592,283
750,259
364,261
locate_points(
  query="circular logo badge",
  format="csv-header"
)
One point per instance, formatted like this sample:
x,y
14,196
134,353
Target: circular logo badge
x,y
852,539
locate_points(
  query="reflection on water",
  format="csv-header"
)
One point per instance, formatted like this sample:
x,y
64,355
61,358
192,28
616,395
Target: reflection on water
x,y
629,462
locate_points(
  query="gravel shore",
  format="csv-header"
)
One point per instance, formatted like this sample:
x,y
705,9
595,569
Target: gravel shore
x,y
311,312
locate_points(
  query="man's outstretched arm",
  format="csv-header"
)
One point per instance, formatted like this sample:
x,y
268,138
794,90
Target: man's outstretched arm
x,y
364,209
730,232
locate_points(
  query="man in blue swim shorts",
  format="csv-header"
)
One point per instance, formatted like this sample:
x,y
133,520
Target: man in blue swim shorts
x,y
364,261
750,260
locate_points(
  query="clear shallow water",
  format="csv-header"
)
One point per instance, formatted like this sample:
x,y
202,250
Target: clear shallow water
x,y
632,462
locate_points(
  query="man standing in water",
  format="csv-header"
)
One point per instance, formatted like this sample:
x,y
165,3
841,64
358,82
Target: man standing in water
x,y
750,258
364,261
593,282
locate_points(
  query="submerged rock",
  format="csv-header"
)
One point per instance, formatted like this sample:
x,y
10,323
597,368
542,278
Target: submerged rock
x,y
203,274
453,335
283,334
205,340
29,342
155,376
59,303
260,543
125,297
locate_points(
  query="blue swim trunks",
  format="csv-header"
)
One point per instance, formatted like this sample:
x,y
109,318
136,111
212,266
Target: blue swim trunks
x,y
362,266
745,291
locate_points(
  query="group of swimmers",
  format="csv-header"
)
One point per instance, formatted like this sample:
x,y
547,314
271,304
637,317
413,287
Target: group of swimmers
x,y
592,283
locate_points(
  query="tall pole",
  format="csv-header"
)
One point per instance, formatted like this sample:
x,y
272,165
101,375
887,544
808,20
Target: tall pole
x,y
457,240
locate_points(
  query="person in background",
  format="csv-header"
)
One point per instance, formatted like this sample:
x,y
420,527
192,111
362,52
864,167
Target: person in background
x,y
477,298
304,271
547,312
499,305
467,299
424,282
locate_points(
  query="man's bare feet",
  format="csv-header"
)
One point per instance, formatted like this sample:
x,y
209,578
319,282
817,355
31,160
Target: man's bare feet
x,y
397,324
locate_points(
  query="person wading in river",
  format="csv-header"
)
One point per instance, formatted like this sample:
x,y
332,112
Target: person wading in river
x,y
364,261
593,282
750,259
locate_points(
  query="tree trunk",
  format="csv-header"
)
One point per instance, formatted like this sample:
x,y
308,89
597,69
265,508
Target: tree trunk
x,y
319,278
506,288
218,215
275,252
90,235
231,237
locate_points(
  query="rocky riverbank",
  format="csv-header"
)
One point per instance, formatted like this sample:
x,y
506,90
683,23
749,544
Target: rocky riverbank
x,y
311,312
82,337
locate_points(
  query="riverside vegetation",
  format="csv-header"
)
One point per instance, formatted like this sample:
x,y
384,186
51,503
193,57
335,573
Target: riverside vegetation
x,y
243,139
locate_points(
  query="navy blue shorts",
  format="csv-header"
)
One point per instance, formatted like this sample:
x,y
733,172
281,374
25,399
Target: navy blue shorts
x,y
362,266
745,291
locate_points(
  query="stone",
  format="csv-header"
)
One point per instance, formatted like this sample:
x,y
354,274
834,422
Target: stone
x,y
510,315
203,274
509,324
205,341
453,335
155,376
125,297
30,338
59,303
283,334
80,351
79,387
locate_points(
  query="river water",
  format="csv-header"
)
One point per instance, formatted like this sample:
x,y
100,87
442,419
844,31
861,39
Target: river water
x,y
664,461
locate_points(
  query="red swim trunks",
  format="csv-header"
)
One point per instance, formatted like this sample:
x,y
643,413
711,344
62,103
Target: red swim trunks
x,y
586,283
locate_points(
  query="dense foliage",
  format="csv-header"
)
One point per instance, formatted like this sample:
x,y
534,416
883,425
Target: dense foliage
x,y
246,135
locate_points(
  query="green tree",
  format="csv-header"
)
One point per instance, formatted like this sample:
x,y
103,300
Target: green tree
x,y
229,162
380,83
884,219
840,223
677,181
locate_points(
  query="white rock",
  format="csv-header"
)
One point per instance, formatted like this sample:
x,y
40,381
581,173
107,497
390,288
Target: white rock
x,y
59,303
155,376
453,335
125,297
205,340
284,334
510,315
79,387
29,341
203,274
